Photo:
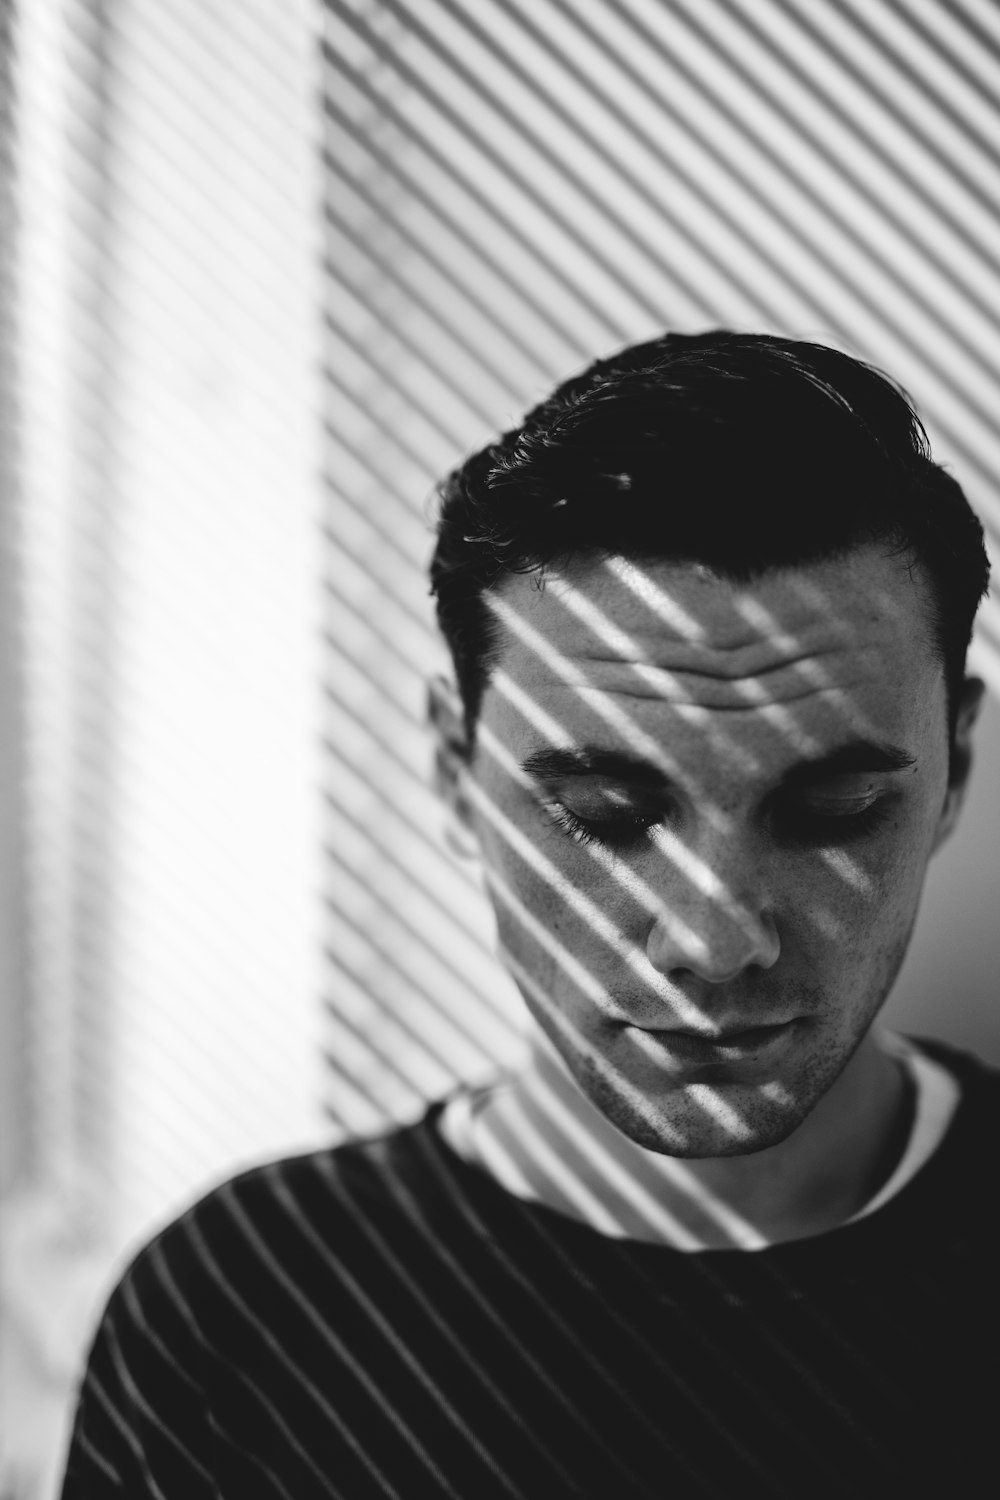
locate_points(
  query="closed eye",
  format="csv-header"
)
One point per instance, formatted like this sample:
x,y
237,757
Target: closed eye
x,y
820,822
620,830
832,820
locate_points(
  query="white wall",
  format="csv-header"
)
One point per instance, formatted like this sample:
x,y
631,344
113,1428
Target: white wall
x,y
948,985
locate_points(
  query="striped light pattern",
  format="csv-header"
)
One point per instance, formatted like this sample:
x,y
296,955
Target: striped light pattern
x,y
503,189
388,1321
515,187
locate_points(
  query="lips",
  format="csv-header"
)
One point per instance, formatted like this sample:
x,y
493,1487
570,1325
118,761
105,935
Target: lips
x,y
685,1045
730,1037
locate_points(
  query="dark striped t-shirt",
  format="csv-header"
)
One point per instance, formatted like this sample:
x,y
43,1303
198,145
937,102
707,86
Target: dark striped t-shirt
x,y
383,1319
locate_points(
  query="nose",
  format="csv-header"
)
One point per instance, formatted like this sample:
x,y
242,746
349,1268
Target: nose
x,y
715,920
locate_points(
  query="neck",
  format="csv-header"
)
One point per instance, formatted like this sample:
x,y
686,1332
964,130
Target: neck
x,y
567,1155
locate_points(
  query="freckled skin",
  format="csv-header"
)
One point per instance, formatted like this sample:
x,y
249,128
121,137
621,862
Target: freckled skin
x,y
732,685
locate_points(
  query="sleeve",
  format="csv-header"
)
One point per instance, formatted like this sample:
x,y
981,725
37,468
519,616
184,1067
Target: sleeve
x,y
141,1423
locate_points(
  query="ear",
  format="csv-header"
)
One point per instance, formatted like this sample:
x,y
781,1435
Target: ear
x,y
970,702
451,764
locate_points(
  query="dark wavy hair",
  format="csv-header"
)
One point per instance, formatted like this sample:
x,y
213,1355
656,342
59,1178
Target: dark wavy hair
x,y
744,452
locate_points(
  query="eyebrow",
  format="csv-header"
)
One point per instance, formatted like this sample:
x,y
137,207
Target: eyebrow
x,y
855,757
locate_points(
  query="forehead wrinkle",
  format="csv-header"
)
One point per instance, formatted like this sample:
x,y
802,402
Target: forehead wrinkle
x,y
604,639
734,664
669,688
772,696
762,703
738,757
610,634
766,622
781,716
779,720
629,652
809,664
822,630
571,676
638,648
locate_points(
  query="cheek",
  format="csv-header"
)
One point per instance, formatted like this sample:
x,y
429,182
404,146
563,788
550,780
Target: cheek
x,y
561,887
862,902
551,896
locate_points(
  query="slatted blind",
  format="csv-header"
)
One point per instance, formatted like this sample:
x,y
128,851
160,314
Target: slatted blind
x,y
514,187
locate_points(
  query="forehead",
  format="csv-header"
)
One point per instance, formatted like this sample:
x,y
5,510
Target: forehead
x,y
842,644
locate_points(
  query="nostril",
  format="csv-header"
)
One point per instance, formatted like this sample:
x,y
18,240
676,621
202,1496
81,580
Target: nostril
x,y
715,944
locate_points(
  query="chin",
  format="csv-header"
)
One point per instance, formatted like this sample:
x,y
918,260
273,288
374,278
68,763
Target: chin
x,y
703,1120
692,1139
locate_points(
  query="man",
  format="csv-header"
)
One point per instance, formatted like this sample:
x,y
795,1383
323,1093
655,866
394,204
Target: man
x,y
709,610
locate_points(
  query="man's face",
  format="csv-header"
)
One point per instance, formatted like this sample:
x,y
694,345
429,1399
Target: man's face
x,y
705,812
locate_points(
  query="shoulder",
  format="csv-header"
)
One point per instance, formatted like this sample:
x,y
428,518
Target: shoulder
x,y
227,1299
280,1217
978,1079
961,1170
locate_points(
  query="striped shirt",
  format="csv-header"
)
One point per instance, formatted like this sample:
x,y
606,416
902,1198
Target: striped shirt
x,y
383,1318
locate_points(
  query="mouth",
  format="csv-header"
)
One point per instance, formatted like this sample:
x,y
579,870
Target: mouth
x,y
699,1046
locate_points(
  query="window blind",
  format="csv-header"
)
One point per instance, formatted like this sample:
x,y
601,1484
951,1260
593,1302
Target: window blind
x,y
513,188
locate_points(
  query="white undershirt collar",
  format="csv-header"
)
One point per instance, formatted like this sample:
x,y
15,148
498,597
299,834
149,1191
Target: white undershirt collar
x,y
465,1127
